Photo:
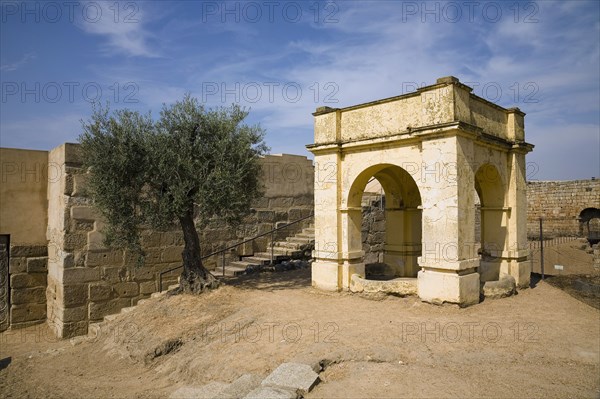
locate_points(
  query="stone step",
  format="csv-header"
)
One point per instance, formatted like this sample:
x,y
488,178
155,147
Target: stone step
x,y
233,269
259,260
310,236
309,230
291,250
299,240
277,255
245,263
287,245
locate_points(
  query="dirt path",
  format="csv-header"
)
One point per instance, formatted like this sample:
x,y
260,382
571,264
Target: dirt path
x,y
540,343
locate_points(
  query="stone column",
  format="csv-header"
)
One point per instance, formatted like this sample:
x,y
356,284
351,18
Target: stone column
x,y
449,268
516,251
326,270
515,257
352,255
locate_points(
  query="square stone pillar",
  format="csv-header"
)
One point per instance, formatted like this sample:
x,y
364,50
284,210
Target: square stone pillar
x,y
448,262
326,269
515,258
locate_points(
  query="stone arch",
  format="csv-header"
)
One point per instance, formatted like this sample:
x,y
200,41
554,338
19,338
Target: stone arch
x,y
589,224
425,133
403,217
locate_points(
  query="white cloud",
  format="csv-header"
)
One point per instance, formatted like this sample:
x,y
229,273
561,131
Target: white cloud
x,y
122,24
18,64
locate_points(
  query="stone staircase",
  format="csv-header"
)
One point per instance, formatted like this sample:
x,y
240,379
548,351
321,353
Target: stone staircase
x,y
295,247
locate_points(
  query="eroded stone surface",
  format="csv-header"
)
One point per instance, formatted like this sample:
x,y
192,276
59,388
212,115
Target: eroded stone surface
x,y
502,288
397,286
296,377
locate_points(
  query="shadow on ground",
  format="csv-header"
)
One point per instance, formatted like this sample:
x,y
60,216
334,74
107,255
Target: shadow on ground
x,y
5,362
292,279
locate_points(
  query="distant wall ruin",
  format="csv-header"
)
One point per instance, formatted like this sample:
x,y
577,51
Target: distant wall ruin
x,y
560,204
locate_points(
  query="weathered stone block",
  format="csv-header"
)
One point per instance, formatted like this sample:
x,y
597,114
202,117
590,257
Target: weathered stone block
x,y
172,254
98,310
37,265
126,289
100,292
28,280
17,265
281,202
28,295
80,275
79,184
296,377
72,295
84,213
104,258
69,315
28,312
71,329
438,287
28,251
144,273
115,274
504,287
241,386
148,287
73,241
95,240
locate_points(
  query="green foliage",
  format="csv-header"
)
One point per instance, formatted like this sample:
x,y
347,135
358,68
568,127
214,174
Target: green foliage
x,y
194,160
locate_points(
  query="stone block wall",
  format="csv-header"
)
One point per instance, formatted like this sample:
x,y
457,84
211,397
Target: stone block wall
x,y
373,231
87,281
28,270
559,203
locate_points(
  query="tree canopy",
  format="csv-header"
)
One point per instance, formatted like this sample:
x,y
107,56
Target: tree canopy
x,y
191,164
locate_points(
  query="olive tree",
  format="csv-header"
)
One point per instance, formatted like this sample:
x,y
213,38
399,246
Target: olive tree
x,y
192,164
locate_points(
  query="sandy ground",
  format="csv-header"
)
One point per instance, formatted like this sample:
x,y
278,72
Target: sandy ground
x,y
539,343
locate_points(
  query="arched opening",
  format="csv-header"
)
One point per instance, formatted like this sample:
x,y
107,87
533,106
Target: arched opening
x,y
387,227
589,224
493,221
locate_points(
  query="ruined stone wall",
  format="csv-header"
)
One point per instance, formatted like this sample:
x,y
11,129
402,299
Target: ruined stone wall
x,y
373,229
87,281
288,196
559,203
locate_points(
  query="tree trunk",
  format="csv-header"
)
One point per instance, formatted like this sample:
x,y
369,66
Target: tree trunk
x,y
194,278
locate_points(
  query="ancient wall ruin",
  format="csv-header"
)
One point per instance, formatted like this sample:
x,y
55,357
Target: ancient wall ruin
x,y
61,271
560,203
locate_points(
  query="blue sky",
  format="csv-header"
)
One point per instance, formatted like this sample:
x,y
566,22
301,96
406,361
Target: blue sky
x,y
285,58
